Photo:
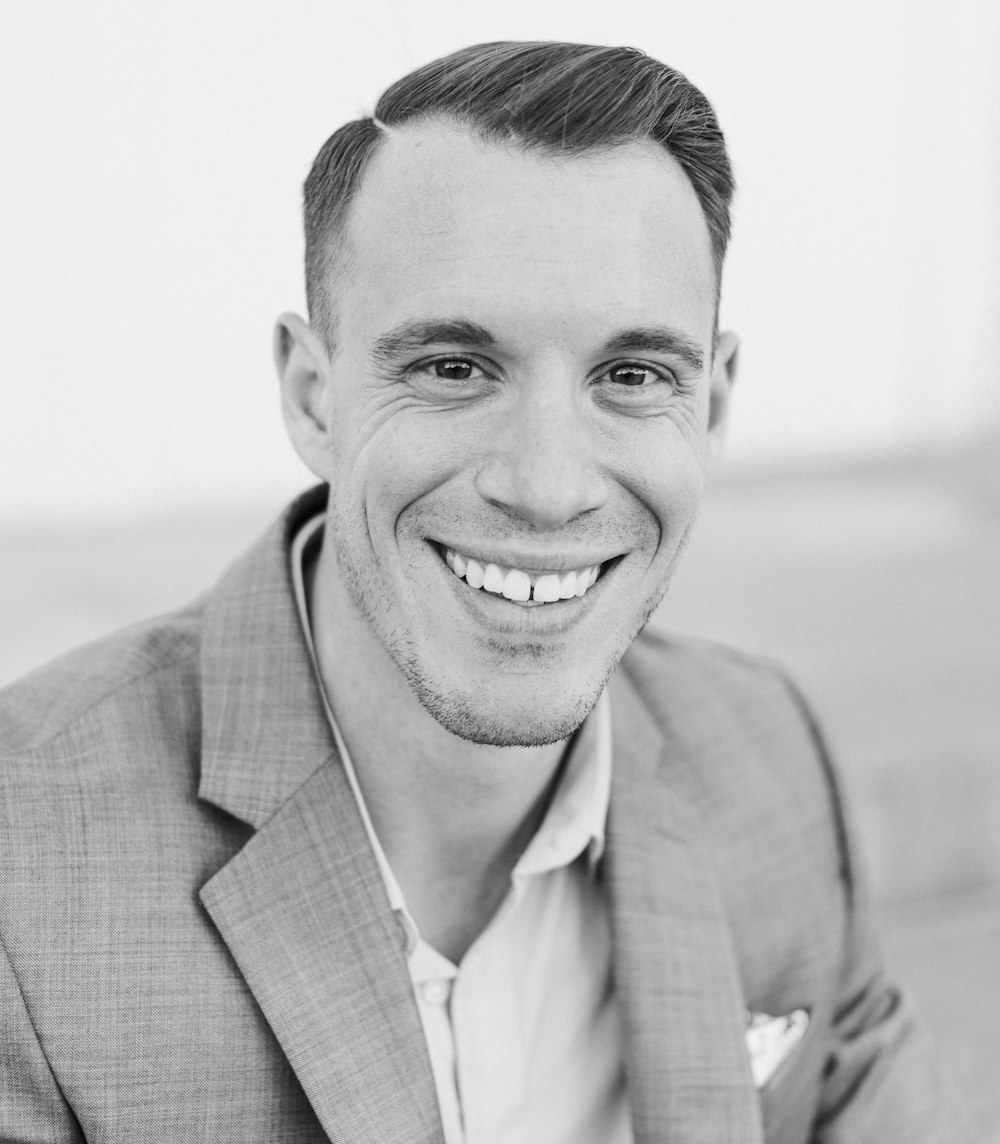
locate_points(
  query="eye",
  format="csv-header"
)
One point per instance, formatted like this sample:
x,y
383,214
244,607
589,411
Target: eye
x,y
456,370
636,375
451,378
453,369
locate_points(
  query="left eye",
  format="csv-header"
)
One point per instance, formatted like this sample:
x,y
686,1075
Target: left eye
x,y
633,375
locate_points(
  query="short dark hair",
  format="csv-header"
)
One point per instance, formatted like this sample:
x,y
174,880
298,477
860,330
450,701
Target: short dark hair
x,y
555,97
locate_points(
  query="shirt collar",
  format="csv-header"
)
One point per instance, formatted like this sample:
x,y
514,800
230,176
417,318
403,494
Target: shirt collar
x,y
310,530
575,820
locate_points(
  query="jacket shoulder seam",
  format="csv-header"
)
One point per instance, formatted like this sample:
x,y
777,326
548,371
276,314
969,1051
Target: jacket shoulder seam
x,y
177,657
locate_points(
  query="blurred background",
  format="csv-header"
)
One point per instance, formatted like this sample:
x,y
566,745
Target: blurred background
x,y
149,234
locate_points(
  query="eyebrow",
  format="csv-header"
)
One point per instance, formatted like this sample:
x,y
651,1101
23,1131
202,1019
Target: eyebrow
x,y
409,336
657,340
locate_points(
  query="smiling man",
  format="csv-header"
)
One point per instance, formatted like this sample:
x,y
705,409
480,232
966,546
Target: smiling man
x,y
407,832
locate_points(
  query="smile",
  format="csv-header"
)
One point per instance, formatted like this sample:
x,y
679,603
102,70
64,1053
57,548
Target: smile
x,y
522,587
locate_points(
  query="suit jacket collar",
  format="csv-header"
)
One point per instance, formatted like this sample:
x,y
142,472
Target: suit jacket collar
x,y
303,910
264,731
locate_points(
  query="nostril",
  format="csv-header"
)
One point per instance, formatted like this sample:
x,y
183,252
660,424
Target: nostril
x,y
545,485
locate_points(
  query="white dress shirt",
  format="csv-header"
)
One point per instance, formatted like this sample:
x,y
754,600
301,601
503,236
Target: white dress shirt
x,y
524,1035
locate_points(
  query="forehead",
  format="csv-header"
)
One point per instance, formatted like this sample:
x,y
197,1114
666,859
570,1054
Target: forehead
x,y
448,221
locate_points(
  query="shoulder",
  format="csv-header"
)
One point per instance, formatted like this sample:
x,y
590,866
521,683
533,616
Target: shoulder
x,y
101,701
732,718
715,679
743,748
100,755
739,730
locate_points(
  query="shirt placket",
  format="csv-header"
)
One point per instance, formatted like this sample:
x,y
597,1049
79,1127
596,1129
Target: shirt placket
x,y
488,1034
433,977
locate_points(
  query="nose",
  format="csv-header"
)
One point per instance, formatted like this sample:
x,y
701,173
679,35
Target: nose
x,y
542,464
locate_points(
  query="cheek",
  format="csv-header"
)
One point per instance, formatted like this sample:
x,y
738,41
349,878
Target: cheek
x,y
675,502
405,461
663,470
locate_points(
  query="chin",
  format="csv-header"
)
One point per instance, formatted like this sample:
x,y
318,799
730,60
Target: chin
x,y
529,720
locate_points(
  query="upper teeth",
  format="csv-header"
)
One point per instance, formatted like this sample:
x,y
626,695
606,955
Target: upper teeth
x,y
542,588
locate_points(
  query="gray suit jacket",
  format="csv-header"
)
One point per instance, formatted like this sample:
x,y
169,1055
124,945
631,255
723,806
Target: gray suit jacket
x,y
197,945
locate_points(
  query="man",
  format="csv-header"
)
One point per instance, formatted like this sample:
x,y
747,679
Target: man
x,y
404,833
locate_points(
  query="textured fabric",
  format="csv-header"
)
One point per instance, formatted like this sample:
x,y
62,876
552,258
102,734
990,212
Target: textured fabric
x,y
197,943
525,1037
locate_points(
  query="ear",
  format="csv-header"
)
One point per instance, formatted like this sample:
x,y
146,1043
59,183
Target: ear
x,y
303,366
724,365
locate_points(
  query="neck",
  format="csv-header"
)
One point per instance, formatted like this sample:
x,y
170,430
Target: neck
x,y
452,816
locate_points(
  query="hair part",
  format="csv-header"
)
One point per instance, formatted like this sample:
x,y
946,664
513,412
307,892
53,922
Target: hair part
x,y
565,99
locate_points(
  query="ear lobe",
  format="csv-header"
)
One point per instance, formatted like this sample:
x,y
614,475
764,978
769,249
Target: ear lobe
x,y
724,366
303,367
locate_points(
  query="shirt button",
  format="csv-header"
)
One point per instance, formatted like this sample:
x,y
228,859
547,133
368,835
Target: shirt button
x,y
435,992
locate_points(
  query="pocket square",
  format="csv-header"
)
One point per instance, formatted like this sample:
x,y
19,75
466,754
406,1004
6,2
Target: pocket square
x,y
770,1040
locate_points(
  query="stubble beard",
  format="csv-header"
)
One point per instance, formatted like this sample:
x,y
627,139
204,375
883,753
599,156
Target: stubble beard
x,y
464,714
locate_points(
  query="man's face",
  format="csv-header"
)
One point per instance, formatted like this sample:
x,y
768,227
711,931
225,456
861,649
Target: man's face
x,y
519,389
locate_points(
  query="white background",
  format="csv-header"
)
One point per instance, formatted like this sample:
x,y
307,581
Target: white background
x,y
152,156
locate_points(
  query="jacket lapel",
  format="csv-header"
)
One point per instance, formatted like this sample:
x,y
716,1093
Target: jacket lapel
x,y
675,970
304,914
302,907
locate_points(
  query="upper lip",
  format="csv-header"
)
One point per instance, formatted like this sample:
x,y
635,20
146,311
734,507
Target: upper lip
x,y
525,560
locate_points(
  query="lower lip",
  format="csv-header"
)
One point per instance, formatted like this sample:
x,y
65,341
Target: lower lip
x,y
511,618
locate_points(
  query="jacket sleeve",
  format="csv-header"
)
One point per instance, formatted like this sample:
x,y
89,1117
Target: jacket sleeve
x,y
32,1107
882,1084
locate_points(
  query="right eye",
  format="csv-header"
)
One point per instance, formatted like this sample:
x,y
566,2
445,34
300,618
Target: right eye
x,y
460,372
